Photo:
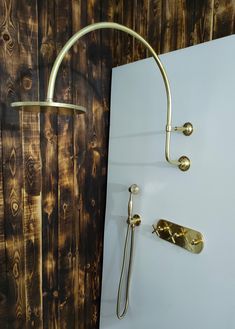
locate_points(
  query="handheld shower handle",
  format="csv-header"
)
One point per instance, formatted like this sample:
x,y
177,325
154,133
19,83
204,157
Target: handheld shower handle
x,y
130,206
133,189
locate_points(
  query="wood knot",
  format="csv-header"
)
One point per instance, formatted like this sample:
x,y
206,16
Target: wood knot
x,y
2,299
31,227
216,5
27,83
6,37
67,57
14,207
49,204
65,206
12,162
168,24
16,271
49,135
55,293
47,51
93,142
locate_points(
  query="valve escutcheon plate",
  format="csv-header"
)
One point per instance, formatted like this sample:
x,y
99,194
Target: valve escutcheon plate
x,y
181,236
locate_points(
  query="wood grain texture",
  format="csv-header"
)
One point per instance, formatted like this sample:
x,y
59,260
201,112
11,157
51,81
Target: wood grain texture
x,y
3,274
66,232
224,19
12,167
199,21
31,161
53,170
128,43
79,87
93,188
140,25
32,218
49,152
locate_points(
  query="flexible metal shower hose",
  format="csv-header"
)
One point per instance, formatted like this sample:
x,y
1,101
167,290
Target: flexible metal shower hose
x,y
121,314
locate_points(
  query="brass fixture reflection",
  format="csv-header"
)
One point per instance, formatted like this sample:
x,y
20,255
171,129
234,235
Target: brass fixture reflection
x,y
184,237
132,222
183,162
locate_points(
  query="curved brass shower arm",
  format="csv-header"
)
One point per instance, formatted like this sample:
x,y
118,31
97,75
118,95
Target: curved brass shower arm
x,y
183,163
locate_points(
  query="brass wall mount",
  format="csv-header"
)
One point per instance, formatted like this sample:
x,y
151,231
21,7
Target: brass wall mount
x,y
186,129
181,236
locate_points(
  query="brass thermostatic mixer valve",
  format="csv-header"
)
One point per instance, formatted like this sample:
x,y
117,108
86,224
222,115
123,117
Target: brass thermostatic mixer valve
x,y
181,236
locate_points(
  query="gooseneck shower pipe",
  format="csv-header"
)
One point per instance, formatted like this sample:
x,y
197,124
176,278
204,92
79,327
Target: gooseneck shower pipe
x,y
183,162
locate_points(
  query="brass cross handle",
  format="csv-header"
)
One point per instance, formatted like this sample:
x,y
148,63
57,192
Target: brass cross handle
x,y
181,236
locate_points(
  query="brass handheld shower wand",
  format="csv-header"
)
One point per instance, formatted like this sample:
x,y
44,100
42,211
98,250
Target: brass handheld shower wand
x,y
132,222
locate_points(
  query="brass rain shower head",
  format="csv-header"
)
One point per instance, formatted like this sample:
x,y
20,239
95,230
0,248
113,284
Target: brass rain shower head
x,y
52,107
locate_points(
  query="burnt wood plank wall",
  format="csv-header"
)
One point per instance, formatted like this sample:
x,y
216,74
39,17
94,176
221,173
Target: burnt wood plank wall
x,y
53,169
